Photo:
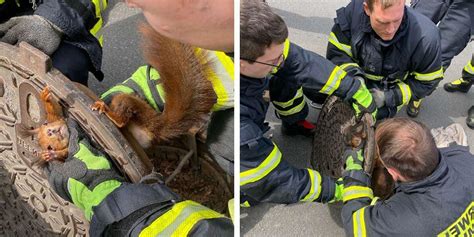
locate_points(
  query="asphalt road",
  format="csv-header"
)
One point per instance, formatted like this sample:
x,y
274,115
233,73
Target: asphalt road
x,y
310,23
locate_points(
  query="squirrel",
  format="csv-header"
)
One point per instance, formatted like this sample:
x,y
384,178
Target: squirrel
x,y
53,134
189,95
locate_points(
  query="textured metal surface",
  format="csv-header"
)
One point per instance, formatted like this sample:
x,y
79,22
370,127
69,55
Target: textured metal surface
x,y
333,135
29,207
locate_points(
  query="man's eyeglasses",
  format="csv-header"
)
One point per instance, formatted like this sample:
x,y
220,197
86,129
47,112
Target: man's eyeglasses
x,y
276,63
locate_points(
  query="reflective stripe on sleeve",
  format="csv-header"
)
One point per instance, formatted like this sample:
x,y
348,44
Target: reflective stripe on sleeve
x,y
315,190
429,76
179,220
358,222
257,173
343,47
354,192
406,92
333,81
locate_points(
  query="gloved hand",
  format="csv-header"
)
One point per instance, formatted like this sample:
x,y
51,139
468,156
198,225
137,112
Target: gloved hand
x,y
354,158
378,96
86,177
33,29
339,190
362,100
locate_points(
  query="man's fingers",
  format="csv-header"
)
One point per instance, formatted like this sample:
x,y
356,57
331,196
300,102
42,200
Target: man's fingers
x,y
5,27
11,37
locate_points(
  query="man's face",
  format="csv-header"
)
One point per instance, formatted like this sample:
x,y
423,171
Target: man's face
x,y
385,22
272,55
202,23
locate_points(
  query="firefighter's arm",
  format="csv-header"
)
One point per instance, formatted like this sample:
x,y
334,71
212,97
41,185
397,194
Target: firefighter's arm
x,y
427,67
339,49
116,208
319,74
362,214
75,18
266,177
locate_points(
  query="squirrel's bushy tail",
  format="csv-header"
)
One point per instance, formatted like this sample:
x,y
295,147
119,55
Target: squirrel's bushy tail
x,y
183,70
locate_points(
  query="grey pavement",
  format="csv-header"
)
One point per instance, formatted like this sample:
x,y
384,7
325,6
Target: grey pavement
x,y
121,48
310,23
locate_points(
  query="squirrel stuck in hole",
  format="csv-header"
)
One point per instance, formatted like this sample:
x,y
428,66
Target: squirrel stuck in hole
x,y
53,134
189,95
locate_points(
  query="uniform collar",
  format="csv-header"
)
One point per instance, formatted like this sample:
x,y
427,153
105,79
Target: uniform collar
x,y
438,176
250,86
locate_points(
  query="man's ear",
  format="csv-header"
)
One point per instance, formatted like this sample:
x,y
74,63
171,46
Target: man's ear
x,y
366,9
395,174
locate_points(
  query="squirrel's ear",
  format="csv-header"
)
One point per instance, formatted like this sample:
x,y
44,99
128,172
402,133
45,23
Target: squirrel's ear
x,y
25,131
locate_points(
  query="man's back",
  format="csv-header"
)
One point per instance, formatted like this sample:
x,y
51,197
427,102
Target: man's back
x,y
442,203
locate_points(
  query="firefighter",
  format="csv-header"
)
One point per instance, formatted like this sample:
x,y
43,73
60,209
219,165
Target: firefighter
x,y
434,193
463,85
89,180
68,31
455,20
264,175
396,49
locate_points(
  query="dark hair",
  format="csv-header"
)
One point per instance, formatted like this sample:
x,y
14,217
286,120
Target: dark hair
x,y
260,27
385,3
407,146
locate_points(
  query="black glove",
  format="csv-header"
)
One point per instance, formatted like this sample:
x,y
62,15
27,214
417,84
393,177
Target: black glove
x,y
34,30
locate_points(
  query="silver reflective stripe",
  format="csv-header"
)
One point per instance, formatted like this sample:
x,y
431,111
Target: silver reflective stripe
x,y
183,215
255,174
315,179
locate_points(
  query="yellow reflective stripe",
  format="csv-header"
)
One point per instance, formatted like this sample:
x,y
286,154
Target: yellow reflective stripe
x,y
469,68
463,225
354,192
429,76
358,223
406,92
334,80
292,111
179,220
286,48
139,77
2,1
299,94
245,204
221,77
315,179
373,77
286,51
343,47
257,173
117,88
344,66
374,201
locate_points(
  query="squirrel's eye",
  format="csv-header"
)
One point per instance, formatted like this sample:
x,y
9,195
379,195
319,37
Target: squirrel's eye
x,y
50,148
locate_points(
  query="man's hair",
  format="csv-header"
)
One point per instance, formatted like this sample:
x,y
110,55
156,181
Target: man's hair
x,y
385,3
407,146
260,27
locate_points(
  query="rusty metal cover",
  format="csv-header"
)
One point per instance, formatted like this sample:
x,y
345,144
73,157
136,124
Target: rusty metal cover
x,y
333,135
29,207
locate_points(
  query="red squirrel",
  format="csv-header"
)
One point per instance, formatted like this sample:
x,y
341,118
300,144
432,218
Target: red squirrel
x,y
189,95
53,134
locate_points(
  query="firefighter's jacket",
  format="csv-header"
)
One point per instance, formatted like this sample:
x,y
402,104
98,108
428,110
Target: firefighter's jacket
x,y
265,176
442,204
455,20
409,65
303,68
80,20
154,210
145,82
